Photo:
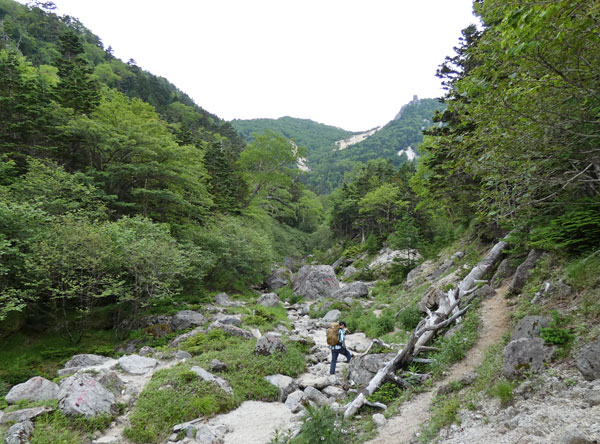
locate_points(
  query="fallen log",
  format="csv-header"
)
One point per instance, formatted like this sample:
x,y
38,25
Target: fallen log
x,y
449,306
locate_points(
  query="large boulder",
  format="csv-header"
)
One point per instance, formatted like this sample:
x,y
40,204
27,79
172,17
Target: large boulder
x,y
588,361
83,395
186,319
523,271
332,316
419,274
137,365
285,384
525,355
362,368
349,271
35,389
190,334
86,360
316,396
353,290
209,377
231,330
312,380
269,344
505,270
223,300
280,277
235,320
386,256
112,382
269,300
529,327
294,401
316,281
20,433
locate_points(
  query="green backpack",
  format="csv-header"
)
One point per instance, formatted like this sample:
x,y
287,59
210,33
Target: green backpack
x,y
332,334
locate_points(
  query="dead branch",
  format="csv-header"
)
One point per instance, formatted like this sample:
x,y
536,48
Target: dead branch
x,y
427,327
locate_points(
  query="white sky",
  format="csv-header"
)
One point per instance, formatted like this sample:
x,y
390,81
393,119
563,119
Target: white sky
x,y
348,63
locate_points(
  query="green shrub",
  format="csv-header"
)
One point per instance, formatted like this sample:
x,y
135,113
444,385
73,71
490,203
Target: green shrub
x,y
583,272
352,250
575,231
557,334
322,425
371,245
287,294
368,323
409,318
399,269
503,390
386,393
214,340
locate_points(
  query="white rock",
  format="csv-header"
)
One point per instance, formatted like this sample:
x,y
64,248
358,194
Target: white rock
x,y
137,365
379,419
35,389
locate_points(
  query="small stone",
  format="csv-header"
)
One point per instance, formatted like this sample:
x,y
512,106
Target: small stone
x,y
269,300
379,419
181,354
146,351
137,365
218,366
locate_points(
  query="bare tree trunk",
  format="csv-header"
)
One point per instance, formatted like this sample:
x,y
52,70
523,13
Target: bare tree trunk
x,y
427,328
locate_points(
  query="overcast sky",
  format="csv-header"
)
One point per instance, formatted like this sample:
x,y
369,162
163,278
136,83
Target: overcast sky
x,y
348,63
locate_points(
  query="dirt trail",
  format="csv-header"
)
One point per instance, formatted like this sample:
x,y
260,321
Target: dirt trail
x,y
402,427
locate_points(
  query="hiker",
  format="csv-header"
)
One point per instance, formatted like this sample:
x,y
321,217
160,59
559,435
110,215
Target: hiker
x,y
340,347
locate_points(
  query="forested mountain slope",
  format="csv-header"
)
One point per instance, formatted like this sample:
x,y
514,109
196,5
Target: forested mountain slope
x,y
316,137
118,193
328,164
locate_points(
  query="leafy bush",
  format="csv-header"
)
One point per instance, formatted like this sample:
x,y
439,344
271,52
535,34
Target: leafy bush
x,y
409,318
368,323
322,425
575,231
372,244
386,393
557,334
583,272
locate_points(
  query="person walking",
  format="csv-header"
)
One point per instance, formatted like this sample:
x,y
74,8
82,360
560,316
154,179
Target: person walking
x,y
340,347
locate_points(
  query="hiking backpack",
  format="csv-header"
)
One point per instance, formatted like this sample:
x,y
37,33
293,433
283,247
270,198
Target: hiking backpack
x,y
332,334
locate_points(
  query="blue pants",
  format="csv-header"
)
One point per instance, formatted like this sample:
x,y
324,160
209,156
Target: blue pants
x,y
334,355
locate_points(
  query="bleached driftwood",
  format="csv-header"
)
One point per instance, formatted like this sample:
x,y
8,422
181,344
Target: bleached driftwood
x,y
447,312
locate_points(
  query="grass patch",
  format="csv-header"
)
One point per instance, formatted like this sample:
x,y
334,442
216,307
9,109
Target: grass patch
x,y
24,356
444,412
503,390
287,294
173,396
357,320
454,348
56,427
177,395
267,318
